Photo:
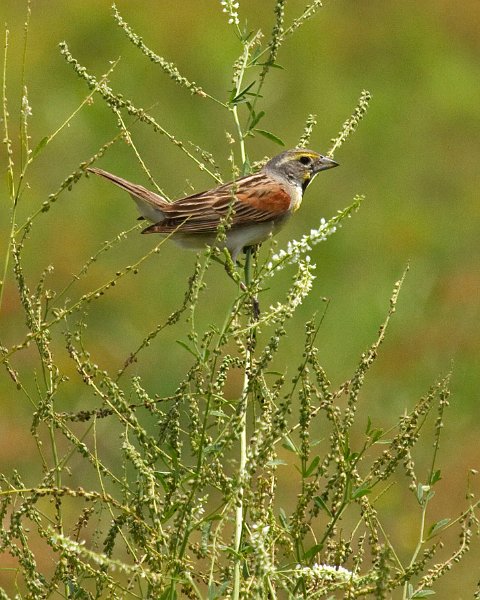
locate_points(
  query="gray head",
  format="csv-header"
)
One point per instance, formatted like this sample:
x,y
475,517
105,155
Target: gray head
x,y
298,166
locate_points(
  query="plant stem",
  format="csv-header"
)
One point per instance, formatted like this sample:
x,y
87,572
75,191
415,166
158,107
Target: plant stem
x,y
420,543
240,509
11,184
243,154
238,86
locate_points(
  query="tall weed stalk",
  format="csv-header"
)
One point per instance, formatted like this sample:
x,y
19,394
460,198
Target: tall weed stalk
x,y
190,502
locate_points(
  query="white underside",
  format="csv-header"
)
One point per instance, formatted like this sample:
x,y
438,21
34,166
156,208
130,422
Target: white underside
x,y
149,211
237,238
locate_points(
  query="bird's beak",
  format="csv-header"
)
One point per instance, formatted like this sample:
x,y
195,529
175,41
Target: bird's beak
x,y
323,163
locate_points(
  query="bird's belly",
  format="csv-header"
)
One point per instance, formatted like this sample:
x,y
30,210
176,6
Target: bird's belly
x,y
249,235
237,238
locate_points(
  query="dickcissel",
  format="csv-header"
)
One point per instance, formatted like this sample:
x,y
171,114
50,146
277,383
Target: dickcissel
x,y
255,206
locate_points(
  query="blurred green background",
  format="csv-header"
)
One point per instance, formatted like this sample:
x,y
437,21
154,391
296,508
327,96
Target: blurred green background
x,y
415,157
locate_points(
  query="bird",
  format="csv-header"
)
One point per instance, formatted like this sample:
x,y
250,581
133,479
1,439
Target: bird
x,y
255,206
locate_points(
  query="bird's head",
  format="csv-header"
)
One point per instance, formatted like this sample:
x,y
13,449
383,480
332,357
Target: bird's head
x,y
298,166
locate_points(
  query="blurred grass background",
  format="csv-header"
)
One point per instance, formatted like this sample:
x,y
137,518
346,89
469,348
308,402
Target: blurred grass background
x,y
415,157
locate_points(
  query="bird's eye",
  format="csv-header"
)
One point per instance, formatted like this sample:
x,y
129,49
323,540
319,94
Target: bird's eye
x,y
305,160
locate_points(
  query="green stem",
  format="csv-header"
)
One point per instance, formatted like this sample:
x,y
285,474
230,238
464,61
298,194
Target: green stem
x,y
243,153
24,135
239,80
10,176
420,543
240,509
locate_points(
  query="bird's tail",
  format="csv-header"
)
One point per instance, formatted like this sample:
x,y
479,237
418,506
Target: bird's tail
x,y
150,204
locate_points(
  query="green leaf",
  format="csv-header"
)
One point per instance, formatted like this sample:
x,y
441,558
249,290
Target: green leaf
x,y
217,591
313,550
161,476
40,146
436,527
187,347
375,435
213,448
361,491
422,594
369,426
351,457
320,503
275,462
270,136
235,97
246,167
256,118
218,413
270,64
282,515
424,493
289,445
169,512
255,54
246,33
312,467
435,477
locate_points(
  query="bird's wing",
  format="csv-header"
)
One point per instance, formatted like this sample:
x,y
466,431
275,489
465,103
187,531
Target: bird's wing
x,y
251,199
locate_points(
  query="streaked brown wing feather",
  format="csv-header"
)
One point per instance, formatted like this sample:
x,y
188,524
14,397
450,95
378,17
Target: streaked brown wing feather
x,y
255,198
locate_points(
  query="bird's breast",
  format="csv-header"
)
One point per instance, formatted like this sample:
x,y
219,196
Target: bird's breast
x,y
296,196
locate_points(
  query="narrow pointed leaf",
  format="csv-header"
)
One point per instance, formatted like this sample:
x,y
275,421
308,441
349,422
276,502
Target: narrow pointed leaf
x,y
270,136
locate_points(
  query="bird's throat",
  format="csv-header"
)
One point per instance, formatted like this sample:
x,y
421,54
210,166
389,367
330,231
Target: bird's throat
x,y
305,183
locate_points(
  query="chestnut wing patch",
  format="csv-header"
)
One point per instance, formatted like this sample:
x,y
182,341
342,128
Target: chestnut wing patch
x,y
255,198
